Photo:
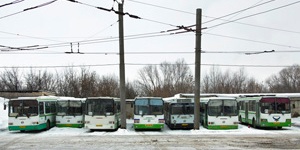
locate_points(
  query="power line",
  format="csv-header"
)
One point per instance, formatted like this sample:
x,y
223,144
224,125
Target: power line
x,y
163,7
11,3
239,11
30,8
255,14
269,43
143,64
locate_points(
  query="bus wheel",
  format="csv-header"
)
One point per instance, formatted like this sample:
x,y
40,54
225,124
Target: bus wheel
x,y
48,125
253,123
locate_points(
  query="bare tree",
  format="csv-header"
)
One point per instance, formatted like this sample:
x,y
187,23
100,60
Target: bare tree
x,y
11,80
229,82
108,86
166,80
288,80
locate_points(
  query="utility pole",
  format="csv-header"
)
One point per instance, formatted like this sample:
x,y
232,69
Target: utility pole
x,y
122,67
197,70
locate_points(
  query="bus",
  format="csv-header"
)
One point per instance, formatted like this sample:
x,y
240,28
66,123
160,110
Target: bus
x,y
102,113
219,113
265,111
179,113
31,113
70,112
148,113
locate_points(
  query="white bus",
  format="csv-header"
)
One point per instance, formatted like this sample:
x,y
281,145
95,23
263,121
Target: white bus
x,y
70,112
102,113
219,113
31,113
148,113
179,112
265,111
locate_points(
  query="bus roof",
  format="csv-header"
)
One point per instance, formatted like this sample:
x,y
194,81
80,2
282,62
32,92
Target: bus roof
x,y
206,99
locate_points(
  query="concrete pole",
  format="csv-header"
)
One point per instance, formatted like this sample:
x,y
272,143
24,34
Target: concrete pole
x,y
197,70
122,68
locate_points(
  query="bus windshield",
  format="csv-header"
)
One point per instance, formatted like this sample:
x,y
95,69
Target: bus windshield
x,y
222,108
73,108
275,105
182,109
20,108
100,107
148,106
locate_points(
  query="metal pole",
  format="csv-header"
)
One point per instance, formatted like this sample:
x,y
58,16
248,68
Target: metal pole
x,y
122,68
197,70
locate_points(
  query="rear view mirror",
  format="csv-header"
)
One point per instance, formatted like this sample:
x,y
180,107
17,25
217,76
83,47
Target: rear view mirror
x,y
4,107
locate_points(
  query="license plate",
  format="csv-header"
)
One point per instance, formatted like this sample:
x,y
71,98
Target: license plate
x,y
276,122
184,125
98,125
68,125
223,126
149,125
22,127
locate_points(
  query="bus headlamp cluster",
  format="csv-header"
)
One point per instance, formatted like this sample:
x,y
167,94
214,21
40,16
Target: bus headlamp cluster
x,y
35,122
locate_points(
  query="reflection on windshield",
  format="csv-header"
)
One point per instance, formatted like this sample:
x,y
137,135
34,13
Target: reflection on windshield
x,y
275,105
20,108
182,108
222,108
73,108
100,107
148,107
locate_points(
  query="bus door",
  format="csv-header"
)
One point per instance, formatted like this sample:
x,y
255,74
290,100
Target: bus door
x,y
246,111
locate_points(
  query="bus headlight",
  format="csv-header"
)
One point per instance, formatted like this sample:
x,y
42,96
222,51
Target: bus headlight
x,y
136,120
111,122
161,120
35,122
57,121
10,124
87,122
263,120
211,122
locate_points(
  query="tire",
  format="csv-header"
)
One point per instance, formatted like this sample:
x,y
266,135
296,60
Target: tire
x,y
253,123
48,125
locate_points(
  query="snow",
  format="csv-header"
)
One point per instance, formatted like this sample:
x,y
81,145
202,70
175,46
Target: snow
x,y
242,130
3,115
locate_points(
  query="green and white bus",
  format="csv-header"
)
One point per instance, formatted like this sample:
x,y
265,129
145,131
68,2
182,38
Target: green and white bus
x,y
31,113
179,112
265,111
148,113
102,113
70,112
219,113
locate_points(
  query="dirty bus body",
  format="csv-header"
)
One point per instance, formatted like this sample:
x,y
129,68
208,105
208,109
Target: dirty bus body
x,y
31,113
179,112
219,113
102,113
265,111
70,112
148,113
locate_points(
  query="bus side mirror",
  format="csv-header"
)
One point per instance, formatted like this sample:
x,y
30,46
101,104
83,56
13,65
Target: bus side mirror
x,y
4,107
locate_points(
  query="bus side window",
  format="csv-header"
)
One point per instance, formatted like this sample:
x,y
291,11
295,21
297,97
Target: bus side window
x,y
41,107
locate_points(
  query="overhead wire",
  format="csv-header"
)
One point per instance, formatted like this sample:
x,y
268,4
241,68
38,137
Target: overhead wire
x,y
30,8
143,64
11,3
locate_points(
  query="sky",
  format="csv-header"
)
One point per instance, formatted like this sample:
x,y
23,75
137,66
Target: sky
x,y
49,31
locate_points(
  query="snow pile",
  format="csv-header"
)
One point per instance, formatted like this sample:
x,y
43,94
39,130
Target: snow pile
x,y
3,115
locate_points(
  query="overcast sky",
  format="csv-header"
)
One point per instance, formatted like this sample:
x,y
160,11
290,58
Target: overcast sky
x,y
273,25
